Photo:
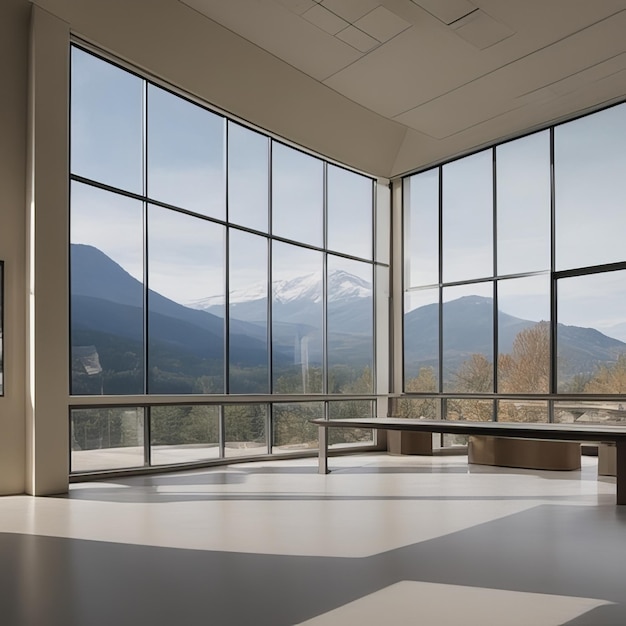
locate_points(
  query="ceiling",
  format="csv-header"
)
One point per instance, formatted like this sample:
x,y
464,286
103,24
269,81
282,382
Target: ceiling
x,y
454,74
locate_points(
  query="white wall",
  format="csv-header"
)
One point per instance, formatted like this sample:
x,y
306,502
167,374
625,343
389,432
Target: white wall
x,y
14,26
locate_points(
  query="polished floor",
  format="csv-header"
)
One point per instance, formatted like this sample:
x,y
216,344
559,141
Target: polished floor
x,y
380,541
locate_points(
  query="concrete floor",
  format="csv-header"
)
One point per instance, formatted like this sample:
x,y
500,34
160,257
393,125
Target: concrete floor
x,y
381,540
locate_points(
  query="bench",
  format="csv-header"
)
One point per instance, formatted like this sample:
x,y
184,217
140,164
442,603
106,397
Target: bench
x,y
555,432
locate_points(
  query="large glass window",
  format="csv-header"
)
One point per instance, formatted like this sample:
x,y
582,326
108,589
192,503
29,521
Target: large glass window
x,y
533,278
206,259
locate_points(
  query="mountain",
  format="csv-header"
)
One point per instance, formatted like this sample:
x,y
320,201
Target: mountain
x,y
186,345
299,301
186,348
468,329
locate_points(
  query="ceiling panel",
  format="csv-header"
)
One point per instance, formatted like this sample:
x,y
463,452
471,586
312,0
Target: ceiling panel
x,y
358,39
448,11
481,30
325,19
382,24
350,10
283,33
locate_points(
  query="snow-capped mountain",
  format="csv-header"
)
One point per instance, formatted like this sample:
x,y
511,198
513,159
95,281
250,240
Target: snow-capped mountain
x,y
341,286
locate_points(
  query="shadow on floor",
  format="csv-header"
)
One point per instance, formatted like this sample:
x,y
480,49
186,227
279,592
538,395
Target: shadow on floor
x,y
563,550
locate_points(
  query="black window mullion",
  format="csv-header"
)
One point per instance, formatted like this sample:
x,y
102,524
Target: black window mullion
x,y
553,285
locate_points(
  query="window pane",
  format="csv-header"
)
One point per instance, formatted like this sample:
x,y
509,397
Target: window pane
x,y
350,326
470,411
421,340
350,437
297,319
107,292
597,413
185,277
591,333
106,123
421,229
245,430
590,189
468,338
185,154
524,335
468,218
292,431
522,411
184,434
248,343
349,212
523,192
248,177
297,195
104,439
415,408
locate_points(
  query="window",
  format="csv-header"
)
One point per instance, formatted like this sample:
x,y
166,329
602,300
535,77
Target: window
x,y
207,259
515,280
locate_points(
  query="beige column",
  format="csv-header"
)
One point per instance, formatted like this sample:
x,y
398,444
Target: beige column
x,y
47,257
14,38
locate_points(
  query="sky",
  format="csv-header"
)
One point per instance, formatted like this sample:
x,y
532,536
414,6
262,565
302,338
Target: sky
x,y
186,166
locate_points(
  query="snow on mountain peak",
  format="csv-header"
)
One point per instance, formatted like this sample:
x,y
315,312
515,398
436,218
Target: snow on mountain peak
x,y
341,286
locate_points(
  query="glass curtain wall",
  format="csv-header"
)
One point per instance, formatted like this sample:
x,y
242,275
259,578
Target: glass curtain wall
x,y
207,259
515,279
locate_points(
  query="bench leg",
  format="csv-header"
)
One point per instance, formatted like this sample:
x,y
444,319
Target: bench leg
x,y
323,451
620,471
